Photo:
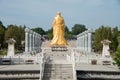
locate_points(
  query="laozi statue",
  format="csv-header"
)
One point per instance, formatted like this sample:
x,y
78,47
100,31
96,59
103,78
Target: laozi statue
x,y
58,31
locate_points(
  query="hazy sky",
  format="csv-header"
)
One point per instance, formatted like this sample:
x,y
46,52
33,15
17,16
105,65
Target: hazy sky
x,y
40,13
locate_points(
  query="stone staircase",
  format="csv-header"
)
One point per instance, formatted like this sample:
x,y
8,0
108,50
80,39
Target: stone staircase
x,y
56,66
58,72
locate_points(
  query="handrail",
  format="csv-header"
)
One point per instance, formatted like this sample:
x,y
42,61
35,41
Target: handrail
x,y
42,64
73,63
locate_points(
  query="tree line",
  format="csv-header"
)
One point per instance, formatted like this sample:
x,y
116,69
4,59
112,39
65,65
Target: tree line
x,y
12,31
105,32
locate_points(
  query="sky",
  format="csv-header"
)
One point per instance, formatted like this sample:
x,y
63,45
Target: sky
x,y
41,13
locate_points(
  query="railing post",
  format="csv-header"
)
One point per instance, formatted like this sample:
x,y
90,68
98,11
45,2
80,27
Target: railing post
x,y
41,65
73,63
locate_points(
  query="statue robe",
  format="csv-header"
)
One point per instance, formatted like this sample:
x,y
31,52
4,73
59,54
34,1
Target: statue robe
x,y
58,31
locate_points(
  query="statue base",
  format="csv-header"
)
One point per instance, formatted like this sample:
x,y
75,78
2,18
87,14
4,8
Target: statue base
x,y
59,48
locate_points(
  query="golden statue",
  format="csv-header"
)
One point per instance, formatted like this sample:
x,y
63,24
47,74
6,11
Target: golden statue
x,y
58,31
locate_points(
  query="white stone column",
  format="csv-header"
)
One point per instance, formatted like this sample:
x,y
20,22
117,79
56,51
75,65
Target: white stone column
x,y
26,41
85,42
34,41
77,41
37,42
89,42
30,42
82,42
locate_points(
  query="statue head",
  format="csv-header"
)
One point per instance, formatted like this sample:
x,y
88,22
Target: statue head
x,y
58,13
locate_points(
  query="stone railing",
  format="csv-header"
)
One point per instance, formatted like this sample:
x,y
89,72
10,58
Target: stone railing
x,y
27,59
84,40
42,65
73,63
32,41
71,58
89,57
23,59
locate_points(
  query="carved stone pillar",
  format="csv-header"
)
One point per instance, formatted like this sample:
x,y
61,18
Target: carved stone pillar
x,y
11,50
89,42
33,41
26,41
30,42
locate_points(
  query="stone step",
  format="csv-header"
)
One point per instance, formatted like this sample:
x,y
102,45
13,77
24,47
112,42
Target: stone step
x,y
58,65
58,68
58,72
63,75
58,77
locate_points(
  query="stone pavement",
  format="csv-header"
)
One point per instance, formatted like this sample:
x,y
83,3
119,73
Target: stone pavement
x,y
20,67
89,67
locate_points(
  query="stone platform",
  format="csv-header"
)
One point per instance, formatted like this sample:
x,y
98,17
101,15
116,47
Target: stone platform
x,y
31,71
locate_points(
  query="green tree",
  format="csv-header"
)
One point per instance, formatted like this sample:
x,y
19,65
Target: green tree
x,y
2,33
39,30
78,28
50,33
114,43
117,54
104,32
68,34
16,32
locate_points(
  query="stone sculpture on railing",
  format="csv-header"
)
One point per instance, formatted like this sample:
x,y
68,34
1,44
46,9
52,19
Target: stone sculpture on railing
x,y
11,50
106,49
106,52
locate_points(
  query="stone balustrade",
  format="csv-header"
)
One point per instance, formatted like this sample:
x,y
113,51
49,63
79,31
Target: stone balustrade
x,y
32,41
84,41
